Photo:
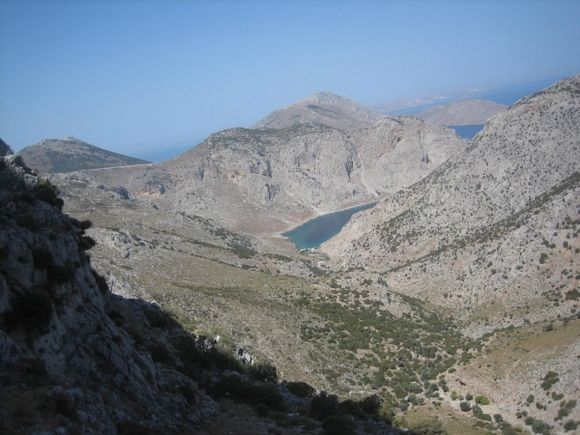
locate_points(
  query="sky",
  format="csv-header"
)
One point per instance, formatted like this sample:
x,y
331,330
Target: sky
x,y
144,76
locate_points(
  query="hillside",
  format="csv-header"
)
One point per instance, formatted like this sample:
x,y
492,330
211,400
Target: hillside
x,y
70,154
491,237
322,108
477,225
463,112
268,180
76,357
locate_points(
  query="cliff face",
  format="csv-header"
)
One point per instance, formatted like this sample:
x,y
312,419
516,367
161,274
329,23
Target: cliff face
x,y
65,362
476,230
267,180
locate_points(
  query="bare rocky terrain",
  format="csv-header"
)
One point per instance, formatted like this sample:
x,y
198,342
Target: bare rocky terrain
x,y
70,154
269,180
463,112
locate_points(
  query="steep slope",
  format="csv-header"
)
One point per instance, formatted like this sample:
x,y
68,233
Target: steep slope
x,y
70,154
4,148
463,112
492,233
268,180
322,108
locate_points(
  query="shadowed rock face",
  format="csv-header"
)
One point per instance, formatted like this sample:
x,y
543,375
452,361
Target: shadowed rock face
x,y
463,229
4,148
70,154
61,354
322,108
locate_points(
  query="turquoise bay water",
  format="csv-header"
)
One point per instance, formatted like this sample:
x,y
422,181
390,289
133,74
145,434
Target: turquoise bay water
x,y
316,231
467,131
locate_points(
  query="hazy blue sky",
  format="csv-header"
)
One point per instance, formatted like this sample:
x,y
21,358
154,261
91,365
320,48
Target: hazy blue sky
x,y
136,76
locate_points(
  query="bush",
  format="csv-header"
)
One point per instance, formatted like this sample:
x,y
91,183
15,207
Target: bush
x,y
464,406
550,379
300,389
481,400
371,404
338,425
352,408
468,397
263,372
249,392
323,405
46,192
530,398
571,425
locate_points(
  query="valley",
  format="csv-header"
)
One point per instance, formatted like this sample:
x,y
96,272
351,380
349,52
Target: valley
x,y
451,293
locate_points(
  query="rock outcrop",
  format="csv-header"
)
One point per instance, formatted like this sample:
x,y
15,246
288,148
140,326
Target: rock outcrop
x,y
4,148
66,364
70,154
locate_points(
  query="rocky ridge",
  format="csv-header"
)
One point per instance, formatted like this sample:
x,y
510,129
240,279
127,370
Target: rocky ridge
x,y
70,154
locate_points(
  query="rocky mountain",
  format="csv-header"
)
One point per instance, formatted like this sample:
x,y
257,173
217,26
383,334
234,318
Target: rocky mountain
x,y
322,108
76,358
268,180
462,112
70,154
491,225
4,148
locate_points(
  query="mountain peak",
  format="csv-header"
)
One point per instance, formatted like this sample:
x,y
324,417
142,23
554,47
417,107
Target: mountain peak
x,y
71,154
323,108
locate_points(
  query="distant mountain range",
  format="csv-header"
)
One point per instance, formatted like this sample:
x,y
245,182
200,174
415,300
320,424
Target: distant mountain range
x,y
463,112
71,154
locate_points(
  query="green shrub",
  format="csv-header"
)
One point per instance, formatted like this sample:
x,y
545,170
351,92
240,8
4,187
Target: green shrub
x,y
464,406
352,408
371,404
468,397
530,398
253,393
323,405
550,379
46,192
571,425
263,372
481,400
300,389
